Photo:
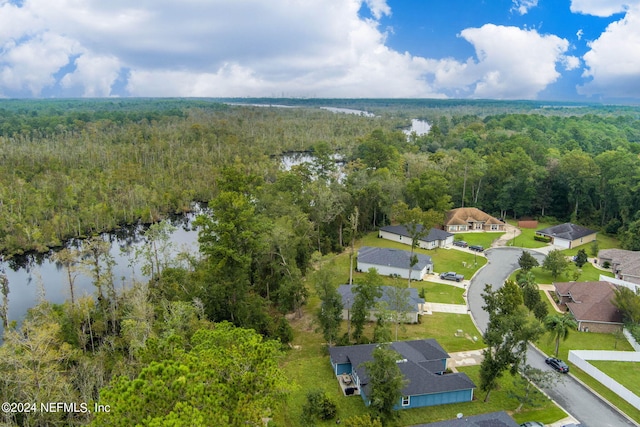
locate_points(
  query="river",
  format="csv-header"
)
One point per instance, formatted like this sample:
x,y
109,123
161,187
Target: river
x,y
30,275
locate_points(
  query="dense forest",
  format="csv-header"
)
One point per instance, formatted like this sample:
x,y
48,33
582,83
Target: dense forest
x,y
76,168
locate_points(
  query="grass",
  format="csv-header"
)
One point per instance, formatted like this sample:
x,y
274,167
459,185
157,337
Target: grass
x,y
626,373
550,308
499,400
592,341
443,259
526,240
589,274
441,293
604,242
484,239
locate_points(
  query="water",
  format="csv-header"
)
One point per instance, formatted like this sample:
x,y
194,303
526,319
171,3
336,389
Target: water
x,y
348,111
420,127
29,275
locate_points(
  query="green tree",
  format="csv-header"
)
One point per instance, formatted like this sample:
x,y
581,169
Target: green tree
x,y
362,421
4,308
581,258
330,311
628,302
229,377
527,261
365,294
319,406
508,333
559,327
524,390
386,381
630,237
531,295
418,225
555,262
399,306
69,259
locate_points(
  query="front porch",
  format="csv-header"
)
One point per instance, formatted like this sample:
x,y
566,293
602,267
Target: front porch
x,y
348,385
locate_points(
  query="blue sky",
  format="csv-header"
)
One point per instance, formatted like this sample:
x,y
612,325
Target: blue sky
x,y
585,50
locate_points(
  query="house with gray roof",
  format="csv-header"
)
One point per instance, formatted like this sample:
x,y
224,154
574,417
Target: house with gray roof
x,y
393,262
568,235
399,233
423,364
624,264
411,307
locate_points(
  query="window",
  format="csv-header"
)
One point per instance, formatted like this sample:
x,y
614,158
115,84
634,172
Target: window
x,y
405,400
494,226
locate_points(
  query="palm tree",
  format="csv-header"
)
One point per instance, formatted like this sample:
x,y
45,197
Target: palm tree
x,y
559,326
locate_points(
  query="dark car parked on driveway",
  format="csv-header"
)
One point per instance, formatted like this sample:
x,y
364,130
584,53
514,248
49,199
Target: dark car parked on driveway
x,y
557,364
476,248
460,243
451,275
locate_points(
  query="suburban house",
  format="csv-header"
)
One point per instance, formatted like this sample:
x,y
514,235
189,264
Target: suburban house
x,y
423,364
471,219
393,262
624,264
492,419
591,305
399,233
412,306
568,235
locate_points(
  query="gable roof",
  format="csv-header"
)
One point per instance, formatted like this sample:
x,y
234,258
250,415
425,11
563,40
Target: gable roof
x,y
392,258
567,231
413,300
434,233
590,301
463,216
421,359
492,419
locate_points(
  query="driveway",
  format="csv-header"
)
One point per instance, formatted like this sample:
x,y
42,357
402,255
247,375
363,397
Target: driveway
x,y
575,398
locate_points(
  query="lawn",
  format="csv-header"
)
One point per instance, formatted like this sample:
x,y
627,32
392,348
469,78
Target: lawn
x,y
443,259
592,341
484,239
626,373
309,368
441,293
499,400
589,274
604,242
526,240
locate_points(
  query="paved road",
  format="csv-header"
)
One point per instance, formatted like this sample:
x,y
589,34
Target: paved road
x,y
579,401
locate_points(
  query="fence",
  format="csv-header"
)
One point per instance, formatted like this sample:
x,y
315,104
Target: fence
x,y
631,339
633,286
580,359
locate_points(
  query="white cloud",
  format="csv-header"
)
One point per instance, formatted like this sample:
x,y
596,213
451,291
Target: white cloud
x,y
511,63
94,74
602,8
255,48
523,6
613,61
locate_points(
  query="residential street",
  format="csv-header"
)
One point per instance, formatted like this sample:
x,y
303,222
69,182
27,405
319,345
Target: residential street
x,y
579,401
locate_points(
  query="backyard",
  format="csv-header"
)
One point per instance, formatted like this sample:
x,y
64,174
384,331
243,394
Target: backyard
x,y
441,293
626,373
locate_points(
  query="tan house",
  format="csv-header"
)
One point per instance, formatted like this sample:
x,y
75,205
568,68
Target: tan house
x,y
624,264
591,305
568,235
471,219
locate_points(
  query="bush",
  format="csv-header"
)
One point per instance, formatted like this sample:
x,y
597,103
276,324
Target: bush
x,y
318,406
606,264
634,329
542,238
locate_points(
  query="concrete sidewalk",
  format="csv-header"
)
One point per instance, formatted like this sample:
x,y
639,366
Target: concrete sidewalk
x,y
465,358
430,307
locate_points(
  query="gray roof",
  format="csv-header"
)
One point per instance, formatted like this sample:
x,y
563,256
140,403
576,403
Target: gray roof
x,y
412,306
422,359
567,231
492,419
392,258
434,233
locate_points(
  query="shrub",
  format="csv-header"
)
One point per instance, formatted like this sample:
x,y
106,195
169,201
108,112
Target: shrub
x,y
542,238
318,406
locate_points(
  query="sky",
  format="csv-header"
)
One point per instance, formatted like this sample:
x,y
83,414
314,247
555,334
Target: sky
x,y
558,50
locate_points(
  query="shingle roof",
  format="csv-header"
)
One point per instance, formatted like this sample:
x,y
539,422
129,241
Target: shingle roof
x,y
462,216
626,262
413,301
591,301
492,419
421,358
392,257
434,233
567,231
